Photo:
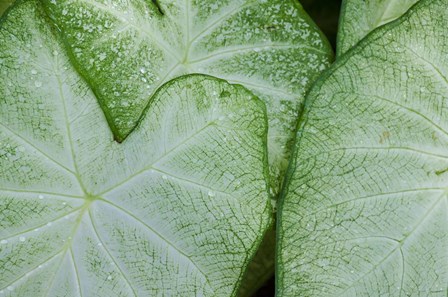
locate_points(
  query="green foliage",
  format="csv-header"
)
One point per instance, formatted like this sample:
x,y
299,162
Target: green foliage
x,y
365,209
181,206
128,50
144,146
358,18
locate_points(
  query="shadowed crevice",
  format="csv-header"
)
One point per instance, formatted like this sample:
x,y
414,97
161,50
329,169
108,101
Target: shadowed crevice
x,y
157,5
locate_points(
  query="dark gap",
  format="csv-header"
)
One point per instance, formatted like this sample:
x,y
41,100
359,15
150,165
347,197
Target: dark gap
x,y
325,14
268,289
159,8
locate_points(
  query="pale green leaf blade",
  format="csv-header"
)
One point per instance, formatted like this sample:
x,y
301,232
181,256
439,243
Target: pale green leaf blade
x,y
127,49
365,210
179,208
360,17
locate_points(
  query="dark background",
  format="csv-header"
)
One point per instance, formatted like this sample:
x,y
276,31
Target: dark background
x,y
325,14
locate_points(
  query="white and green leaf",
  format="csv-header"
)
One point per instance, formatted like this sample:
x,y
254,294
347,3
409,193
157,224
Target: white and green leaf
x,y
127,49
365,209
179,208
360,17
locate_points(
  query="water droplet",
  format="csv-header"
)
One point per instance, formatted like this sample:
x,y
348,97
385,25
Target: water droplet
x,y
38,84
10,288
164,176
33,71
211,193
142,70
100,244
49,224
64,203
41,197
109,277
4,241
22,238
55,53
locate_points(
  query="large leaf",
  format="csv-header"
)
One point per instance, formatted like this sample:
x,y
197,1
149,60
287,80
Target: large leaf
x,y
360,17
127,49
365,210
178,209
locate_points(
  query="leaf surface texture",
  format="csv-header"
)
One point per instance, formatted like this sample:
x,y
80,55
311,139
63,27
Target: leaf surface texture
x,y
365,209
127,49
360,17
179,208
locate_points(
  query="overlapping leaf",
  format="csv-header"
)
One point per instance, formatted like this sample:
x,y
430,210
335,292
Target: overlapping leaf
x,y
360,17
365,210
127,49
177,209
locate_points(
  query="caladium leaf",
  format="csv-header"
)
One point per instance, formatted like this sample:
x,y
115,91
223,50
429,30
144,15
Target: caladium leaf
x,y
127,49
177,209
365,209
360,17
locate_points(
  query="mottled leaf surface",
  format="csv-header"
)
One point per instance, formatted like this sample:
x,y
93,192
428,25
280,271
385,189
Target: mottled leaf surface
x,y
360,17
365,210
178,209
127,49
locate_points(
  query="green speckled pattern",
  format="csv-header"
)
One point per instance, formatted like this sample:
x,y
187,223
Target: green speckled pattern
x,y
178,209
127,49
365,210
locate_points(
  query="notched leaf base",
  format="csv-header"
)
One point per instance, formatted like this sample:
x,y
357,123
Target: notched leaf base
x,y
179,208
